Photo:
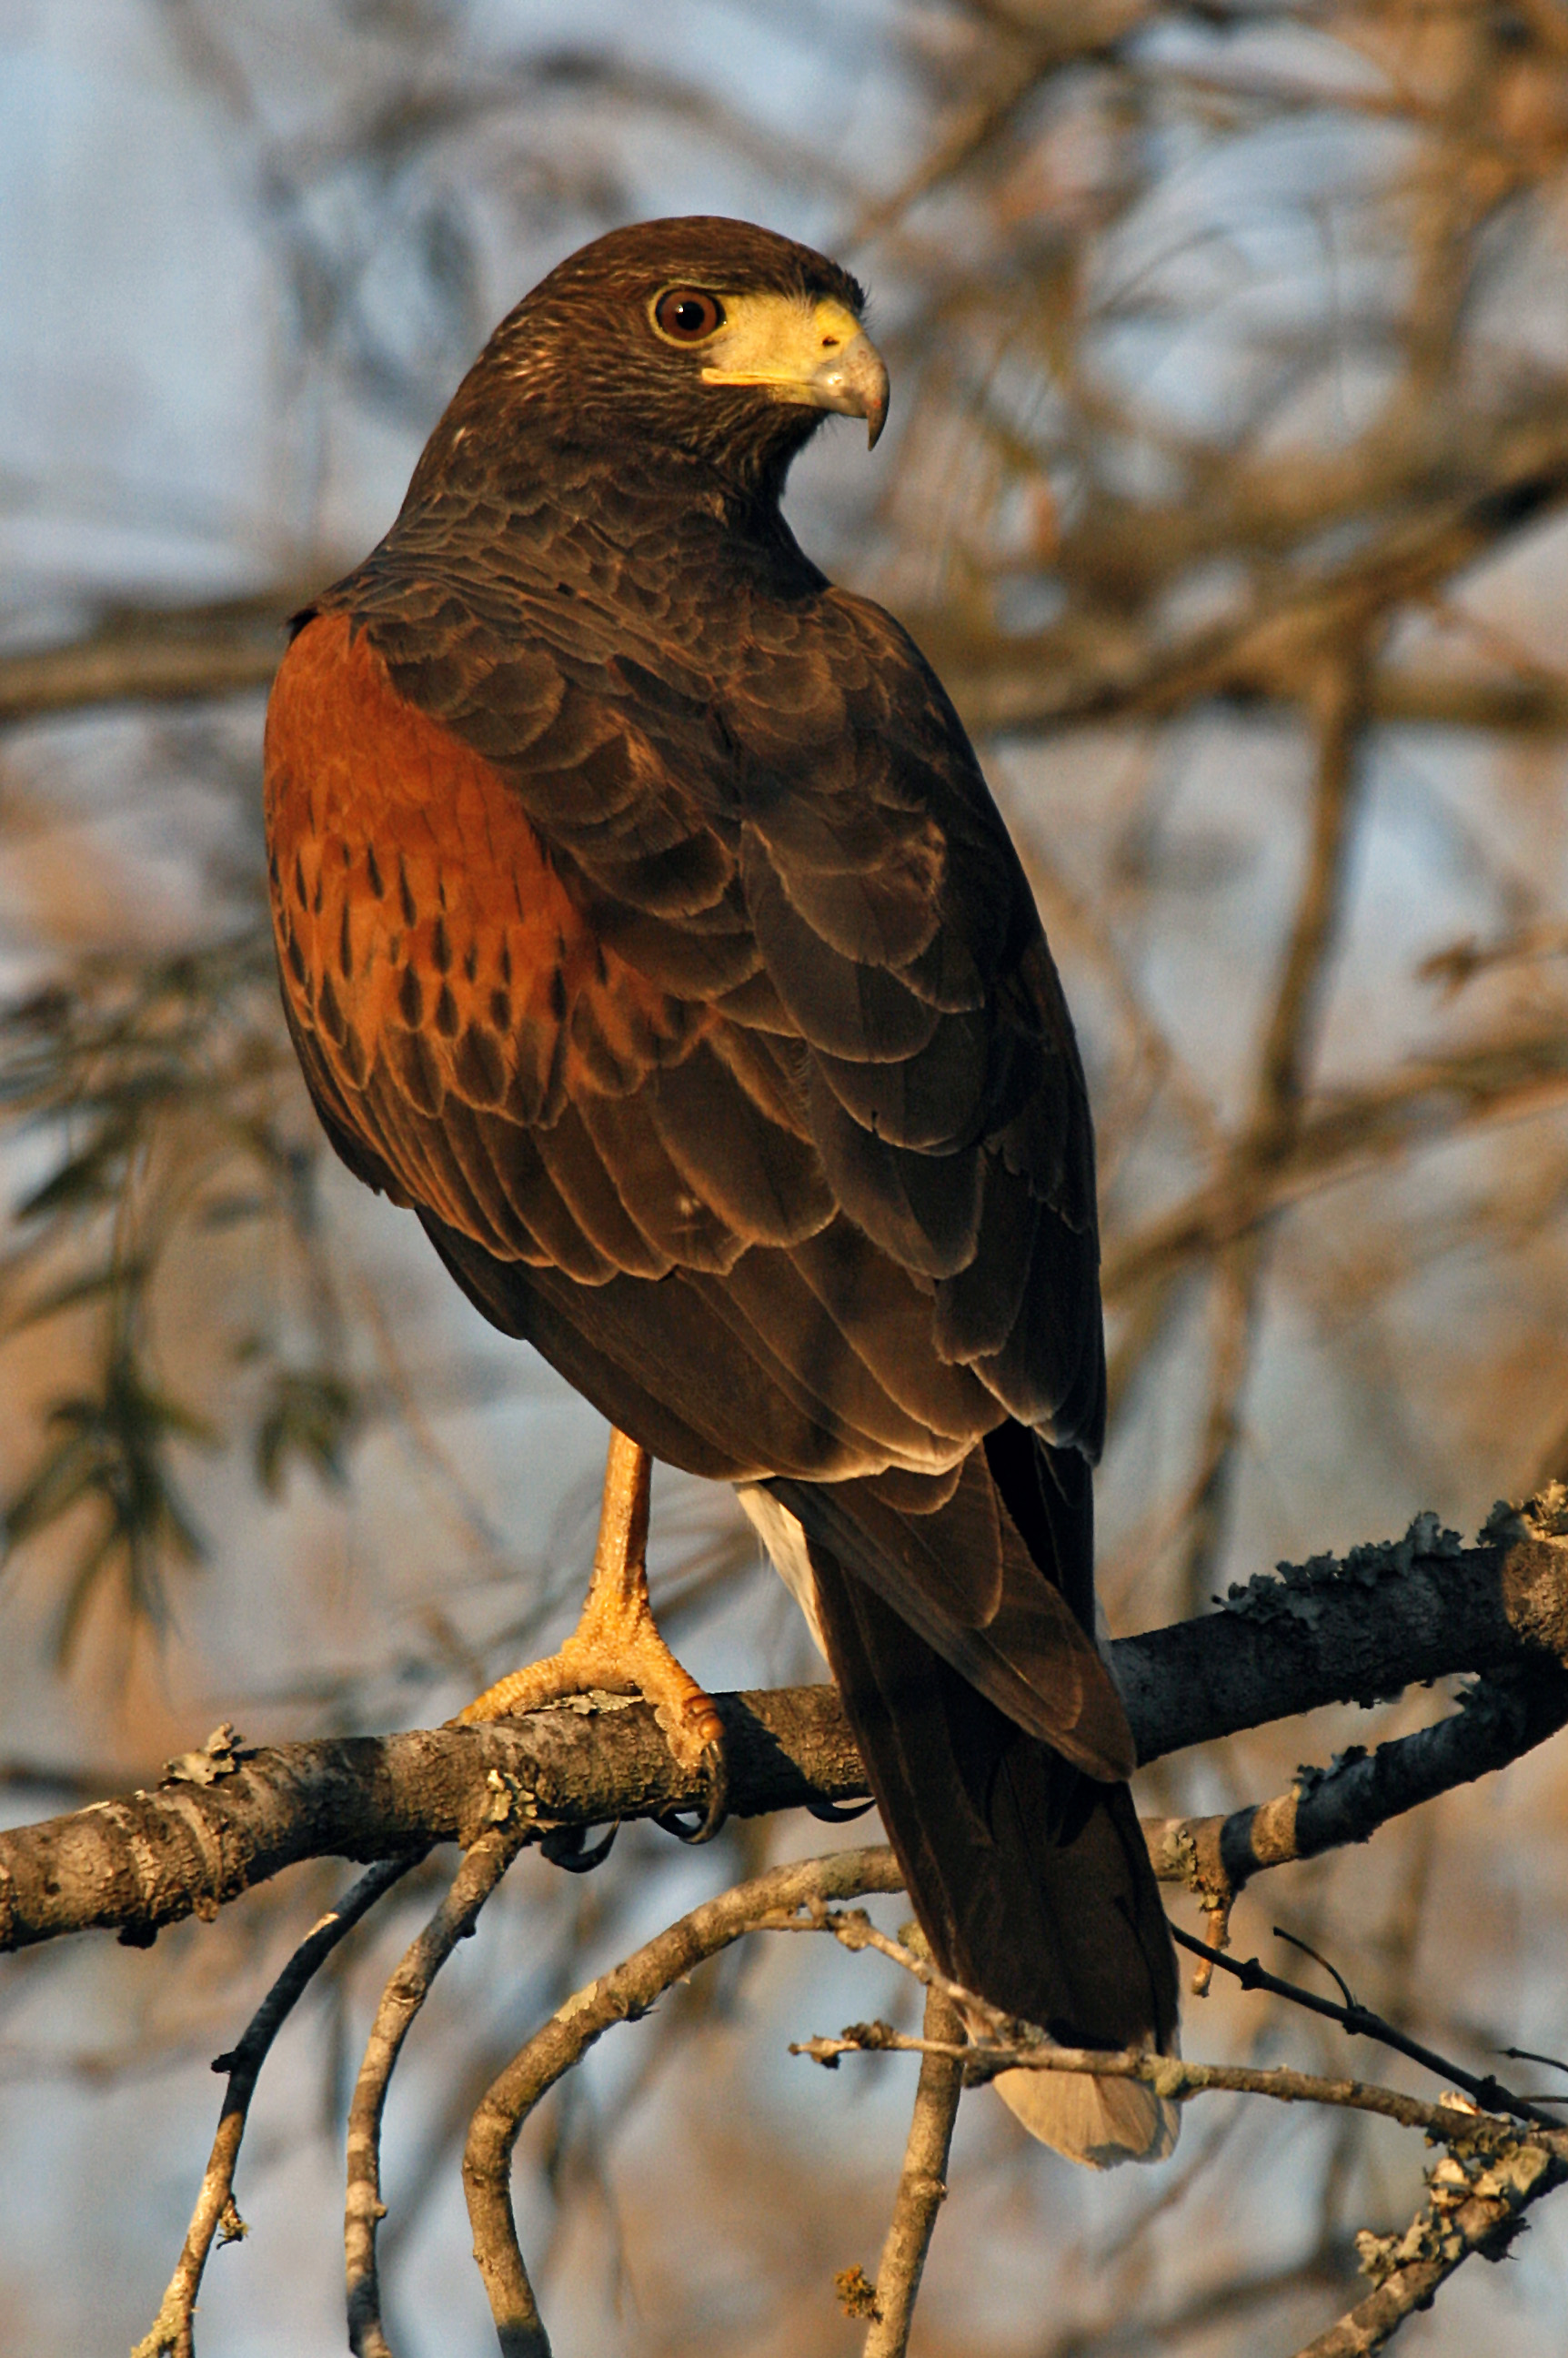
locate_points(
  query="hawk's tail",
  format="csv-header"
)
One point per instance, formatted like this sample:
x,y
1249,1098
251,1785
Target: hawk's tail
x,y
1030,1878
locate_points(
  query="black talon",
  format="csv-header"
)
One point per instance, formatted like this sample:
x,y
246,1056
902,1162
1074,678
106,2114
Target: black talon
x,y
838,1813
564,1846
718,1766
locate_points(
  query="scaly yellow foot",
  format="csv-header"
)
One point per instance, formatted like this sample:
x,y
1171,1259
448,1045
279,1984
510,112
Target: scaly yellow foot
x,y
616,1645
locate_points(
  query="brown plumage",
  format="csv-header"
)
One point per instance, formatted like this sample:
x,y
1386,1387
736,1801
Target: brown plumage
x,y
646,924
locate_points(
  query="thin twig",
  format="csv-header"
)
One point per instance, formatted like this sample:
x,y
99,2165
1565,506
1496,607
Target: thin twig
x,y
1362,2023
923,2186
482,1868
620,1995
1452,2122
172,2334
853,1928
1478,2193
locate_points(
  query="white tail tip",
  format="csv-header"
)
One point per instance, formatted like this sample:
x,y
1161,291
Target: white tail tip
x,y
1097,2122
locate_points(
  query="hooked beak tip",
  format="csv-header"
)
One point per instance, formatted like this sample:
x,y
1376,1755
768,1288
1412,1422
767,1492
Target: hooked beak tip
x,y
855,383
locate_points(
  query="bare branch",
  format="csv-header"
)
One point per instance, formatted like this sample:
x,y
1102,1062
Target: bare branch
x,y
1272,645
172,2333
180,653
1359,1628
487,1861
1362,2023
1503,1717
853,1929
1438,1097
620,1996
151,1858
1452,2121
1489,2178
1473,2208
1338,702
922,2187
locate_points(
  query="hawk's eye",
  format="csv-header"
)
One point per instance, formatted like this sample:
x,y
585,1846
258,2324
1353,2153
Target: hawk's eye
x,y
688,316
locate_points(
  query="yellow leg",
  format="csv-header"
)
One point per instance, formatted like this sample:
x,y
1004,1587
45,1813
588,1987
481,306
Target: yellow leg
x,y
616,1645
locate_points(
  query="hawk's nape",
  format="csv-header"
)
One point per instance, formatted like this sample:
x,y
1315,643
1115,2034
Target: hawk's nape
x,y
646,924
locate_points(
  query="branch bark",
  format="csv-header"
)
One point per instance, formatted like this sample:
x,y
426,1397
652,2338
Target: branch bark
x,y
620,1995
1505,1716
215,2214
483,1865
148,1859
1360,1628
923,2186
1471,2210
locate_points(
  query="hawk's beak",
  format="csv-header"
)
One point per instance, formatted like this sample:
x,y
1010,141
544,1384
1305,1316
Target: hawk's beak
x,y
817,354
854,382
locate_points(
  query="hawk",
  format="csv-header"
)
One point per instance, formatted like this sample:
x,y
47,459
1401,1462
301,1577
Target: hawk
x,y
645,925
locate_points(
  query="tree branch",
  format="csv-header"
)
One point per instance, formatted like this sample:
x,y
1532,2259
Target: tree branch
x,y
1451,2120
487,1860
1340,1135
150,1858
1361,2022
1095,667
215,2214
999,2037
223,647
1338,706
1360,1628
923,2186
1505,1716
173,655
1474,2207
620,1996
1355,1628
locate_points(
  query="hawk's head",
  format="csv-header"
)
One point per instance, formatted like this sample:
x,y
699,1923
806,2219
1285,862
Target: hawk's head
x,y
705,338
